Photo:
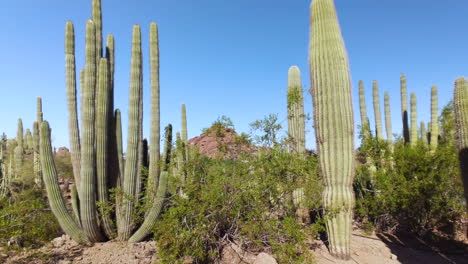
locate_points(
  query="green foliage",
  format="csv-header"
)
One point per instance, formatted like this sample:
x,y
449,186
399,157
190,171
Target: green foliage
x,y
219,126
247,201
265,131
27,220
419,191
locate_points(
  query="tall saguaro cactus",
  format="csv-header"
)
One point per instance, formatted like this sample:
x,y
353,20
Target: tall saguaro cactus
x,y
363,111
125,225
296,123
434,119
73,127
377,114
334,124
460,105
388,118
404,108
155,137
87,194
414,125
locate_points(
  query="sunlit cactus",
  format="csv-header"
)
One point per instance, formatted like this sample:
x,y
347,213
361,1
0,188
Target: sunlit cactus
x,y
334,124
414,125
460,106
365,128
404,108
296,121
388,118
377,114
434,119
422,129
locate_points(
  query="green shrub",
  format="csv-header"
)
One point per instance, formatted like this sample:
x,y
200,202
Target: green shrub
x,y
247,201
418,191
27,220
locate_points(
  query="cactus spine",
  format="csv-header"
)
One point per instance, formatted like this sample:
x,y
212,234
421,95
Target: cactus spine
x,y
423,133
404,108
388,118
296,123
460,105
414,125
377,114
155,137
434,119
365,128
333,118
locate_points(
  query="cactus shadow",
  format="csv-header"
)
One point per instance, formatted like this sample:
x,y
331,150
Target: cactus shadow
x,y
428,249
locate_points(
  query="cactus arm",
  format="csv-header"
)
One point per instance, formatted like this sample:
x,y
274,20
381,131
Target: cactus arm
x,y
125,223
56,201
36,156
333,118
296,123
413,125
434,119
423,133
89,219
155,210
75,203
102,145
73,126
365,128
388,118
97,19
404,108
377,114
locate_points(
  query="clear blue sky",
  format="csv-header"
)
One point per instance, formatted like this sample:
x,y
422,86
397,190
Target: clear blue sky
x,y
230,57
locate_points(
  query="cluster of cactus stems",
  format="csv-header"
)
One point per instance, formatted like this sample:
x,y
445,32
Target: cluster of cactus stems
x,y
296,120
97,152
334,124
460,105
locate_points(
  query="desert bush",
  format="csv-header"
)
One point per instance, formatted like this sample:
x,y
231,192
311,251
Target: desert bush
x,y
416,190
26,220
247,201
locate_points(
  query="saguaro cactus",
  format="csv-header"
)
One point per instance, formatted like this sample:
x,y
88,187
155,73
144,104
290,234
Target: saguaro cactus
x,y
19,150
73,127
296,123
404,108
334,124
377,114
414,125
460,105
56,201
434,119
422,128
362,109
388,118
154,168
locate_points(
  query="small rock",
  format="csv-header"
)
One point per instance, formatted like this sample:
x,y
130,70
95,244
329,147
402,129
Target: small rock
x,y
264,258
393,256
58,242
